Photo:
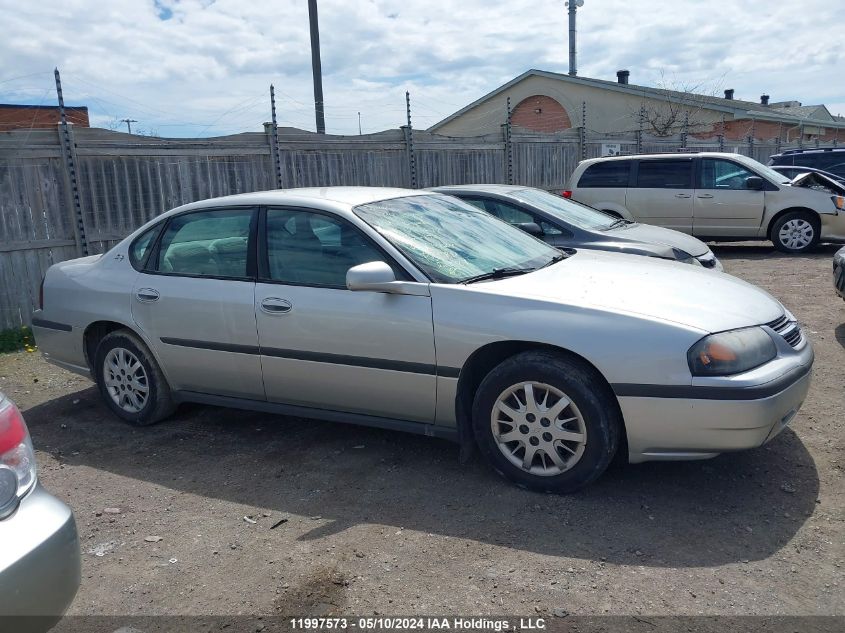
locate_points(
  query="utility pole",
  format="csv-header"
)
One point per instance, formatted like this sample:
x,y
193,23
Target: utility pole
x,y
316,66
129,123
573,49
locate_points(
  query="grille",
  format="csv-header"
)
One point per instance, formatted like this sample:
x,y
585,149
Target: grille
x,y
789,330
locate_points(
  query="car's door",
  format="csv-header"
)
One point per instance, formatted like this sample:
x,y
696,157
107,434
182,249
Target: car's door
x,y
723,205
516,215
194,301
327,347
662,193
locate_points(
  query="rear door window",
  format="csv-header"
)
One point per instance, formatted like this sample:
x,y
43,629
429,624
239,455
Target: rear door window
x,y
610,173
207,244
665,174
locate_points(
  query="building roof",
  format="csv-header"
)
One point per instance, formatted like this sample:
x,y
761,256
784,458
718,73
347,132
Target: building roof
x,y
738,108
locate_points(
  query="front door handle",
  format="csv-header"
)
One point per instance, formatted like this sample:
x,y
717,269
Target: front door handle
x,y
682,195
147,295
276,305
706,195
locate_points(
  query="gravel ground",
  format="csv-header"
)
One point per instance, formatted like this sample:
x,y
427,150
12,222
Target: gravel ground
x,y
183,517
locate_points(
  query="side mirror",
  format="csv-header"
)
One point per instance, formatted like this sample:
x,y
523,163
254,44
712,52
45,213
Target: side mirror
x,y
755,183
379,277
532,228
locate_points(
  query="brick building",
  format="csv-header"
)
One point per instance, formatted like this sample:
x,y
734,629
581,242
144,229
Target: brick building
x,y
552,102
14,117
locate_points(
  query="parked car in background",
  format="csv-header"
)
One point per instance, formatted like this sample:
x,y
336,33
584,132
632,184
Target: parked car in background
x,y
39,546
792,172
568,224
714,196
839,272
830,159
415,311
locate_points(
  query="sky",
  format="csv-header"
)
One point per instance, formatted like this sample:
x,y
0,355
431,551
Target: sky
x,y
201,68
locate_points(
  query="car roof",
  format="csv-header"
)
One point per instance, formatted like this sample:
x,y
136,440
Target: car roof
x,y
336,198
602,159
479,188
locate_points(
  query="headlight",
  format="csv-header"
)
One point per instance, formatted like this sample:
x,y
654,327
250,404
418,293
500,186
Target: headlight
x,y
731,352
685,258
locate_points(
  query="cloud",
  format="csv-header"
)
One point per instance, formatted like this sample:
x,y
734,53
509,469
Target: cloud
x,y
190,67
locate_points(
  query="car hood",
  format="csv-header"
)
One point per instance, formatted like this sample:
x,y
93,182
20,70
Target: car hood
x,y
819,182
659,235
645,286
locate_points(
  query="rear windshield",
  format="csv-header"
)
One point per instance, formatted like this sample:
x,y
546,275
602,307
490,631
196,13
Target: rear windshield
x,y
611,173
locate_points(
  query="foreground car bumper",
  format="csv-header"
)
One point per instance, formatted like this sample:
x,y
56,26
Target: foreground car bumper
x,y
839,272
39,561
678,425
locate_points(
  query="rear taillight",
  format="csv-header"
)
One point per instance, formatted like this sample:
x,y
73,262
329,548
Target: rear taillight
x,y
17,460
567,193
41,294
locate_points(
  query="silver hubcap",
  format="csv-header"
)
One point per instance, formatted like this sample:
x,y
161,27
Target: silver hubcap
x,y
126,380
538,428
796,234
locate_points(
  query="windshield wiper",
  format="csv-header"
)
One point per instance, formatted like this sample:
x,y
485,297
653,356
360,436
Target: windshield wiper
x,y
497,273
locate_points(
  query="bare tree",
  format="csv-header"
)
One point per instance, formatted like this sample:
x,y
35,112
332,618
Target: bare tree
x,y
679,110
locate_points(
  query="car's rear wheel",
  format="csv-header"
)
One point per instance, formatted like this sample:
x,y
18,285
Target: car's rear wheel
x,y
130,380
796,232
546,421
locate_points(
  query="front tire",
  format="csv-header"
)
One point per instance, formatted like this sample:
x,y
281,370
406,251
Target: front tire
x,y
546,421
130,381
796,232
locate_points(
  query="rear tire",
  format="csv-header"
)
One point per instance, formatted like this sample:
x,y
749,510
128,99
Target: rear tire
x,y
560,435
130,381
796,232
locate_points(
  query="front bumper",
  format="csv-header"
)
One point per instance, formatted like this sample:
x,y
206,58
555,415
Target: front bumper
x,y
833,227
677,424
39,561
839,272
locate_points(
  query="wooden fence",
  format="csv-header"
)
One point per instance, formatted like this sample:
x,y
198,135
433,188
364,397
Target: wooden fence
x,y
124,180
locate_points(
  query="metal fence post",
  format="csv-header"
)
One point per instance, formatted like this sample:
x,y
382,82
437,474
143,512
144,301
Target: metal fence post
x,y
582,137
801,135
509,144
685,130
778,139
69,155
409,141
751,138
274,140
640,130
721,135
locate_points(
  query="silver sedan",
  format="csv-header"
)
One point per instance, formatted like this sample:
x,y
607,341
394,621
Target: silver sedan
x,y
415,311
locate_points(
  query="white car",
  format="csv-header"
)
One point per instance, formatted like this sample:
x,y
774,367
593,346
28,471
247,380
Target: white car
x,y
714,196
415,311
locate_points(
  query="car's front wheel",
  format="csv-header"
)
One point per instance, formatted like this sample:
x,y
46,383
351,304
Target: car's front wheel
x,y
130,380
546,421
796,232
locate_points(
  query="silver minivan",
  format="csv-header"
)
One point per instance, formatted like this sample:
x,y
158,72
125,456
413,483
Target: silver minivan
x,y
712,195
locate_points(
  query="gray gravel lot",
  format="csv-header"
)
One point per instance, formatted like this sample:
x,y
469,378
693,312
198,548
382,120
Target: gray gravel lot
x,y
382,522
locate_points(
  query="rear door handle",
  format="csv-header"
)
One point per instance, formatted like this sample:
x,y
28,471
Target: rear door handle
x,y
147,295
682,195
276,305
706,195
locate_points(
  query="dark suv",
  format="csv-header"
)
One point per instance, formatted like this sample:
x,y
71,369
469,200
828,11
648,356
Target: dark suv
x,y
830,159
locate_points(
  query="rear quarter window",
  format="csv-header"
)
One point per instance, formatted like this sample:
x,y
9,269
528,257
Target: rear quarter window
x,y
140,248
611,173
